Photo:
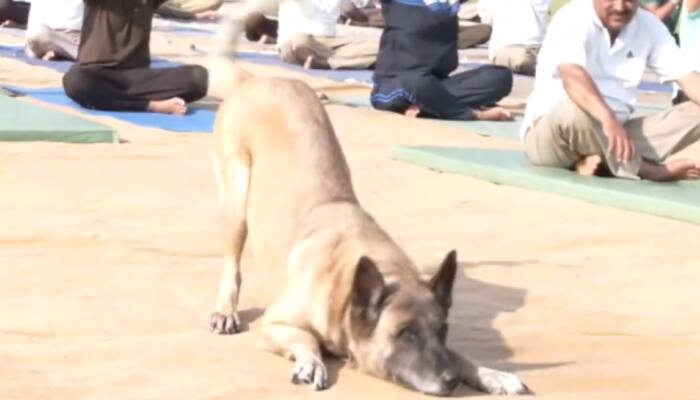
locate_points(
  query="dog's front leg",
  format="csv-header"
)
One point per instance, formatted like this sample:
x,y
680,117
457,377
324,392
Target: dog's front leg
x,y
300,346
490,380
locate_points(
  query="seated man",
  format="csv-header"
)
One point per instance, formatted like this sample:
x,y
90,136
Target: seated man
x,y
418,53
113,69
590,66
518,30
307,36
14,13
665,10
53,30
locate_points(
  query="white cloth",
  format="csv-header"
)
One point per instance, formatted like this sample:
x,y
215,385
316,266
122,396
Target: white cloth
x,y
517,22
311,17
55,14
577,36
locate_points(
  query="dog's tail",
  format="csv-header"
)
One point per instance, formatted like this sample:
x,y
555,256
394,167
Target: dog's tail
x,y
224,73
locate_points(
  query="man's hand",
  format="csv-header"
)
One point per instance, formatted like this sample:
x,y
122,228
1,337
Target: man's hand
x,y
494,114
620,144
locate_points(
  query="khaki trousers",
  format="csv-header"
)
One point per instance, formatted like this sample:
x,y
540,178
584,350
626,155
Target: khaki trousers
x,y
186,9
567,134
63,42
335,52
521,59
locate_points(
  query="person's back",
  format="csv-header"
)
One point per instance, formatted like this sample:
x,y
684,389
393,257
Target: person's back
x,y
418,39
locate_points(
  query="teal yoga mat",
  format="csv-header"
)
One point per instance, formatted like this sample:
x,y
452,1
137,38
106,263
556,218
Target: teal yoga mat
x,y
679,200
21,121
508,130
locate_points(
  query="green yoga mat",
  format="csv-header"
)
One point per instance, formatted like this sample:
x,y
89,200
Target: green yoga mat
x,y
678,200
508,130
21,121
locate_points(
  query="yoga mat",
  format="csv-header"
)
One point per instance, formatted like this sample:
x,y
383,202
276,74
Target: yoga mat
x,y
343,75
196,120
657,87
679,200
509,130
184,27
21,121
17,52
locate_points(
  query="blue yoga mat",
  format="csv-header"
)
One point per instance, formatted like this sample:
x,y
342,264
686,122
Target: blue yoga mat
x,y
658,87
196,120
17,52
359,75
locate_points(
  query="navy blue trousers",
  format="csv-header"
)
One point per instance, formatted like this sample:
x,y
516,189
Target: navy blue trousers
x,y
454,97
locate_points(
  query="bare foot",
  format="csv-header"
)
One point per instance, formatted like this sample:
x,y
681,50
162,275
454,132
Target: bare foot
x,y
207,16
309,62
174,106
671,171
412,111
49,55
494,114
10,24
588,166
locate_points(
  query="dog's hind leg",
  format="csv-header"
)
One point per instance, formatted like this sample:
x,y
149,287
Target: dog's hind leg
x,y
302,347
490,380
233,175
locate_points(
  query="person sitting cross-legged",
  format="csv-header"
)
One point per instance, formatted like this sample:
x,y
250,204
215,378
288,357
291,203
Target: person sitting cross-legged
x,y
113,69
579,114
53,30
417,55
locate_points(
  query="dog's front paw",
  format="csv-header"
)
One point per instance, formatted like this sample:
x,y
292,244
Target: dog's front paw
x,y
501,383
311,372
224,324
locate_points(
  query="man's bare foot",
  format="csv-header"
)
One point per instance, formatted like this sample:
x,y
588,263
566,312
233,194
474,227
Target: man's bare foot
x,y
49,56
412,111
174,106
588,166
671,171
10,24
494,114
207,16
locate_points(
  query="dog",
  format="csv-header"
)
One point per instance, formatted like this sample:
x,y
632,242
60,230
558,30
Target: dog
x,y
349,289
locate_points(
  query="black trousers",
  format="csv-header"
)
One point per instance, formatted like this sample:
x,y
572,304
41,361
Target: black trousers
x,y
133,89
454,97
15,11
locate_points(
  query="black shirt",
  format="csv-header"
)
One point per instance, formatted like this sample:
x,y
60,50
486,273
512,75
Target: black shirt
x,y
117,33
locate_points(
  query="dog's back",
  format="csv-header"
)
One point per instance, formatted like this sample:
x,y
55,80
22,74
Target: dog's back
x,y
280,129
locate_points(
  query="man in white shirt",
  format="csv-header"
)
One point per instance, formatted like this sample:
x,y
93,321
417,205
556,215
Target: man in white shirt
x,y
519,27
579,114
307,36
53,30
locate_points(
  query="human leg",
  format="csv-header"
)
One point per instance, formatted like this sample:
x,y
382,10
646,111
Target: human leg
x,y
14,12
62,44
473,34
521,59
187,9
480,87
350,52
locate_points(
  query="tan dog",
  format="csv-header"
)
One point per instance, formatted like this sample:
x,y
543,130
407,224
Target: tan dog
x,y
349,289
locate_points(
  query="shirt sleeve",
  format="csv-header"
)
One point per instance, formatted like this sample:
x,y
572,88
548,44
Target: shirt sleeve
x,y
665,58
567,40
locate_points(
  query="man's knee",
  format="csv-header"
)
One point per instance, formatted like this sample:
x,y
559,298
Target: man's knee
x,y
295,49
198,79
79,84
500,80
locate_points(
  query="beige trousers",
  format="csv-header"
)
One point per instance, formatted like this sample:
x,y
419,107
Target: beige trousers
x,y
186,9
521,59
331,52
63,42
567,134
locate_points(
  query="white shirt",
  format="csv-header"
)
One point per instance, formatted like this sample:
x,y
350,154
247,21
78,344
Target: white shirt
x,y
55,14
517,22
311,17
577,36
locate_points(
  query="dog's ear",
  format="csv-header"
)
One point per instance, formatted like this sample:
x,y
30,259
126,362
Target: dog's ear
x,y
441,284
366,298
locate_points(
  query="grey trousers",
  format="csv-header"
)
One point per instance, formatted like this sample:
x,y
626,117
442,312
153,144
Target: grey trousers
x,y
567,134
186,9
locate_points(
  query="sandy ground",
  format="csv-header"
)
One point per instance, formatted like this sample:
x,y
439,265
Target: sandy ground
x,y
110,257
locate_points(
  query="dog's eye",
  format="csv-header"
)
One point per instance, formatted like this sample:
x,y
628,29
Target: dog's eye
x,y
408,334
